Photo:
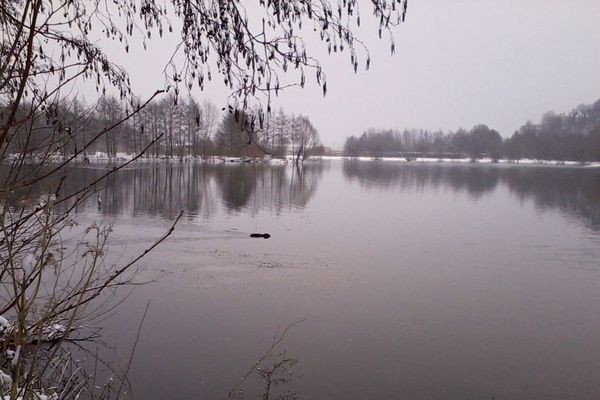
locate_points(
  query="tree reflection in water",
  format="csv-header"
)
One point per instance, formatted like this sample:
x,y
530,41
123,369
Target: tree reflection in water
x,y
571,190
163,190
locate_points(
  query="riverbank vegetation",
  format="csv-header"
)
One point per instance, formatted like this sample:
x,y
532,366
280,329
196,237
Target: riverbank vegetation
x,y
573,136
169,127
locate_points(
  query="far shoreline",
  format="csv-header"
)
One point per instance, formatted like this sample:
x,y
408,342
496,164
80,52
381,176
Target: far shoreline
x,y
102,159
467,161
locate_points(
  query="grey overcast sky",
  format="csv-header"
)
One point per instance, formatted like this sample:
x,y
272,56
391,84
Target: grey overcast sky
x,y
458,63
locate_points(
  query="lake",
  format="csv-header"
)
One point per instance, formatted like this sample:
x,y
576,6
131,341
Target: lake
x,y
380,280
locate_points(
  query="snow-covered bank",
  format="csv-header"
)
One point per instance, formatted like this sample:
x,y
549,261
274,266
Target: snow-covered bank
x,y
466,160
100,158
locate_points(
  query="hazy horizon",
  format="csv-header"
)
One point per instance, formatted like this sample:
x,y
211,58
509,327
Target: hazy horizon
x,y
457,65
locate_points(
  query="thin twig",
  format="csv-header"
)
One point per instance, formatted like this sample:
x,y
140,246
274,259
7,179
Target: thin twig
x,y
137,338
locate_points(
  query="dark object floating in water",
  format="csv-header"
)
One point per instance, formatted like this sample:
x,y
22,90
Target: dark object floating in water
x,y
260,235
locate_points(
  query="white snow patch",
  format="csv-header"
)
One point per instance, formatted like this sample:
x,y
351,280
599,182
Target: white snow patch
x,y
16,354
486,160
36,396
5,380
55,331
5,326
41,396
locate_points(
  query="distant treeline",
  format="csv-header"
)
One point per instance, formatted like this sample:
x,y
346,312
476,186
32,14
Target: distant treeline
x,y
170,127
574,136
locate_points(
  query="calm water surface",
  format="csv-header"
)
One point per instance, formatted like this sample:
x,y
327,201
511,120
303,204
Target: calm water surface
x,y
408,281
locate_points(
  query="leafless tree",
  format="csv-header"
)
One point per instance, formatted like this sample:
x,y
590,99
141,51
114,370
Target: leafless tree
x,y
304,138
50,288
